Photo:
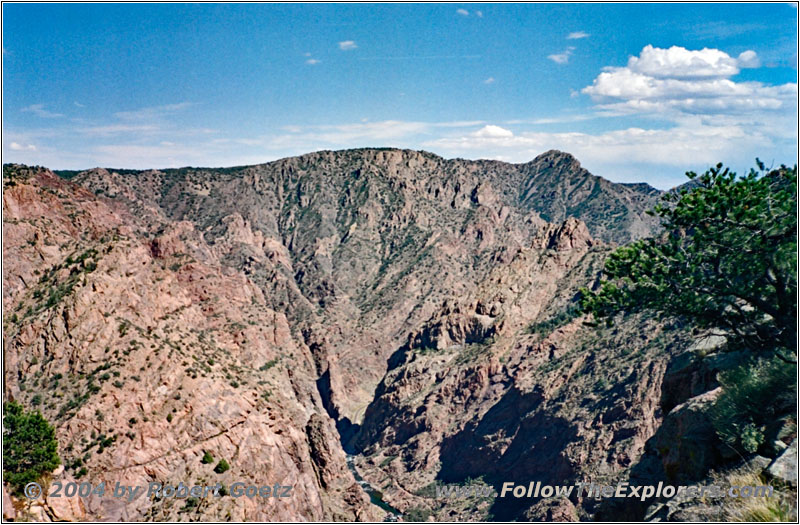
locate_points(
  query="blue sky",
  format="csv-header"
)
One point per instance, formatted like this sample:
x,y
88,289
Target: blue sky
x,y
638,92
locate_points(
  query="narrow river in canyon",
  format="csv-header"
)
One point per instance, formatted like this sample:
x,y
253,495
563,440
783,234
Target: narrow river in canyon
x,y
375,496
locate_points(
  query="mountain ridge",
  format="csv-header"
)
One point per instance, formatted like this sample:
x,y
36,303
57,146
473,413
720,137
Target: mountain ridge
x,y
552,169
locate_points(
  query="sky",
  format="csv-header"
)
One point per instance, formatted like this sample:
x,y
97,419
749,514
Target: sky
x,y
637,92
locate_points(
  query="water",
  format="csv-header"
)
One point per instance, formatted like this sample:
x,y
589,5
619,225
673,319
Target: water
x,y
375,496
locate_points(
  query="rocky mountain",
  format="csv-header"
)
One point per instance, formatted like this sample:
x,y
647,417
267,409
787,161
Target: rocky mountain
x,y
416,313
348,243
145,358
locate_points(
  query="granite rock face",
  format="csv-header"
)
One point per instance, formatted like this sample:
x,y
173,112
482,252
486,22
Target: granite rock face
x,y
416,311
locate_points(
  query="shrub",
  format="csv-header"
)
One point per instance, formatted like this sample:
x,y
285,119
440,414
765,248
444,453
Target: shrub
x,y
754,395
222,466
207,458
269,364
30,449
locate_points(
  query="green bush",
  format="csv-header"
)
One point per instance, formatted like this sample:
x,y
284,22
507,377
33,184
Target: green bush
x,y
753,395
30,449
207,458
222,466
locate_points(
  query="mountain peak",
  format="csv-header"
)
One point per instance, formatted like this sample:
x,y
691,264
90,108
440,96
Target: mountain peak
x,y
554,156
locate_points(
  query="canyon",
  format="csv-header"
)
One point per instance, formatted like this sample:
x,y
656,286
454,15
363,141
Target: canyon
x,y
413,316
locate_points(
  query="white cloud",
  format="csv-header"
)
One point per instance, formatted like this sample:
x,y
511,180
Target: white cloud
x,y
479,14
462,12
347,45
20,147
562,58
493,132
39,111
576,35
306,54
673,83
489,80
312,61
748,59
679,62
78,104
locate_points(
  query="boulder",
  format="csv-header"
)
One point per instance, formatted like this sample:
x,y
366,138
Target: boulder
x,y
784,467
686,442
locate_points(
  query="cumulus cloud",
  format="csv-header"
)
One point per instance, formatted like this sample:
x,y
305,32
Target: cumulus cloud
x,y
562,58
749,59
39,111
312,61
479,14
676,82
576,35
462,12
493,132
489,80
347,45
679,62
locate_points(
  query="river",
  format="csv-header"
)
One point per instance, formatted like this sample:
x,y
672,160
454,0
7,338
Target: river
x,y
375,495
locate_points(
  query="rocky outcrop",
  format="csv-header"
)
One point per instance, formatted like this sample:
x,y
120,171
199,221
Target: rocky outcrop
x,y
783,469
686,442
